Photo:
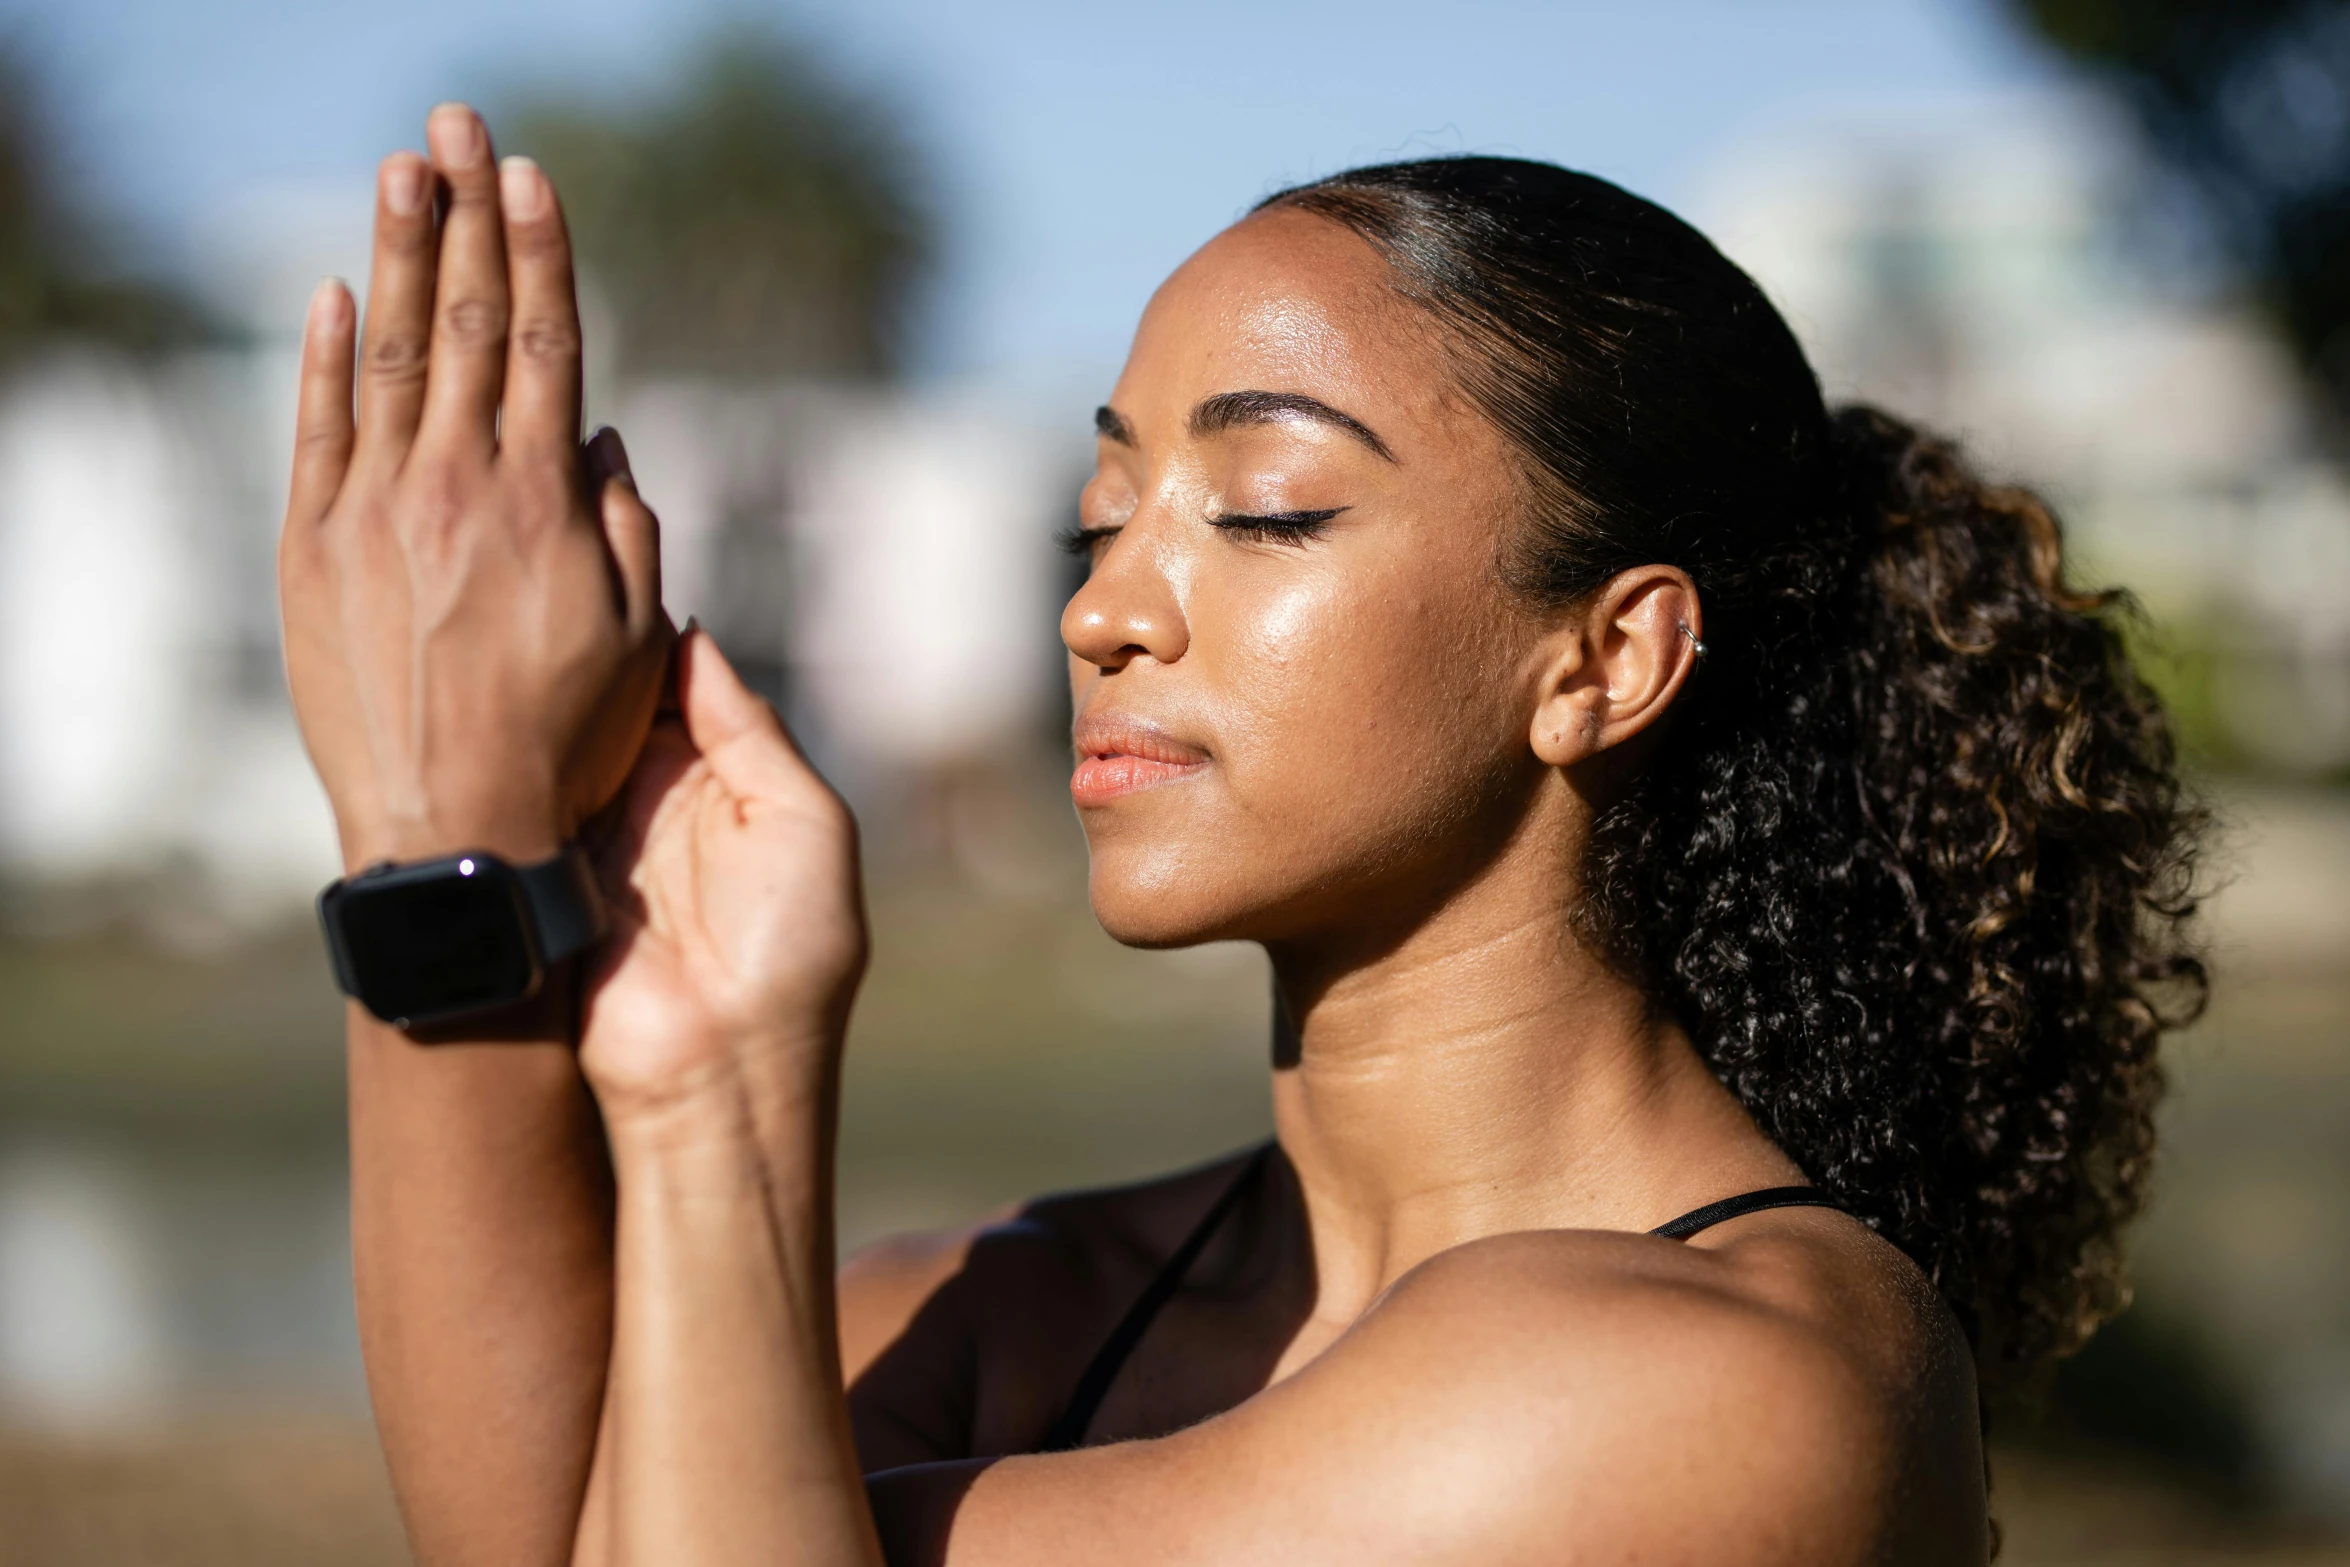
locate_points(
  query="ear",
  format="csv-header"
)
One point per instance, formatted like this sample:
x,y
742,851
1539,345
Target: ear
x,y
1616,664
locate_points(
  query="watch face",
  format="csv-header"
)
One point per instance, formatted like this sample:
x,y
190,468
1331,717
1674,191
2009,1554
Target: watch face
x,y
430,940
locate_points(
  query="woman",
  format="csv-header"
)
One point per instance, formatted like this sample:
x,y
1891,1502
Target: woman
x,y
1652,789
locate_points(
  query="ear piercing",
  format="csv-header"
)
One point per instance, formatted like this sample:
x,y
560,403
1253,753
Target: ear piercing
x,y
1692,636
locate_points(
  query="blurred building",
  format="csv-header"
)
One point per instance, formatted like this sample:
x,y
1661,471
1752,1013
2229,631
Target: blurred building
x,y
143,729
2001,269
879,561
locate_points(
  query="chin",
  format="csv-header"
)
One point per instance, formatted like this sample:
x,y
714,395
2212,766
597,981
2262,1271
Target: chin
x,y
1156,894
1169,868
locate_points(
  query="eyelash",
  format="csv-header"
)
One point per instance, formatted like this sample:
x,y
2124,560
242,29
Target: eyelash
x,y
1282,527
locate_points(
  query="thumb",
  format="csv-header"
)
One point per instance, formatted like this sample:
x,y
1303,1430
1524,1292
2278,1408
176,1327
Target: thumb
x,y
733,727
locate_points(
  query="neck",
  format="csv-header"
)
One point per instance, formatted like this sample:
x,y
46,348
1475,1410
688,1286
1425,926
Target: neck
x,y
1487,1073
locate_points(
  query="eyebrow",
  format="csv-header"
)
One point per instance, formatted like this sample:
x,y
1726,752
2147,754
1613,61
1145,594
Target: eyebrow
x,y
1230,410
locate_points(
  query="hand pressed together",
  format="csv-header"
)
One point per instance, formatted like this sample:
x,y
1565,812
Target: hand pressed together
x,y
739,930
476,642
477,650
474,636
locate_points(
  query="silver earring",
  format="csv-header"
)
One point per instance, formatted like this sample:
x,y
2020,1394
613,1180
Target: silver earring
x,y
1692,636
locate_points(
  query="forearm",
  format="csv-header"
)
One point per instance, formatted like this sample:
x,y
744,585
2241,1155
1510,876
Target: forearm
x,y
481,1227
730,1436
475,646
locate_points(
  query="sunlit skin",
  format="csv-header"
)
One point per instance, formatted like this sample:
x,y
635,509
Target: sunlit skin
x,y
1340,757
1436,1334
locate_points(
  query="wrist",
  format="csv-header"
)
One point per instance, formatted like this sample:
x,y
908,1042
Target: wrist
x,y
521,836
724,1150
775,1098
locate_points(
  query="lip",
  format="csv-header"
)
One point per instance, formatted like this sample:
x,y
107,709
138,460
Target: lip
x,y
1122,756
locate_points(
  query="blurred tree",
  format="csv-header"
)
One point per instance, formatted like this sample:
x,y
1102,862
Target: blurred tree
x,y
762,220
2249,100
57,277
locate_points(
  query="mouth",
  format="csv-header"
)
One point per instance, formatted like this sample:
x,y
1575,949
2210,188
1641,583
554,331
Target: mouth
x,y
1118,757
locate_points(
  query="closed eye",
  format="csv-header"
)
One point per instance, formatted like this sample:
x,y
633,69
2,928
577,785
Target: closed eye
x,y
1278,527
1083,541
1285,527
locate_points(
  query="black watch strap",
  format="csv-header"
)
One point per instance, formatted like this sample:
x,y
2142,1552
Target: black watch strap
x,y
566,910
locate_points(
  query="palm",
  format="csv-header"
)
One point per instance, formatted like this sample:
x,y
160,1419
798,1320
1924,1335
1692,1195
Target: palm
x,y
739,935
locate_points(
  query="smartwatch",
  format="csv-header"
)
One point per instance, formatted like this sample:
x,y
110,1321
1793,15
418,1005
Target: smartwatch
x,y
436,939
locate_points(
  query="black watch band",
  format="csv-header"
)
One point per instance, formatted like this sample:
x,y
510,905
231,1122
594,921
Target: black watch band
x,y
566,911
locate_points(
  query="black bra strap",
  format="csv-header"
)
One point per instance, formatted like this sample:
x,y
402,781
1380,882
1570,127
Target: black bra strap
x,y
1094,1386
1714,1213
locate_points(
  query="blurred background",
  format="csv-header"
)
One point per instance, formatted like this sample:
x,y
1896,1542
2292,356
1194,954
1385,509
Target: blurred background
x,y
856,276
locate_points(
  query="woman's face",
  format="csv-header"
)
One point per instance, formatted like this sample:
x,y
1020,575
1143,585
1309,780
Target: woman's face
x,y
1322,714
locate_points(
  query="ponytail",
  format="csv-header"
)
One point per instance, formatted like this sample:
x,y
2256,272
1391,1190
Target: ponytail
x,y
1921,896
1912,864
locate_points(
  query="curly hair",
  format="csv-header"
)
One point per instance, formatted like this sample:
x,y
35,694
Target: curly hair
x,y
1912,862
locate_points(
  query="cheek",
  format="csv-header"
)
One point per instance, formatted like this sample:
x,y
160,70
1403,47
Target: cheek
x,y
1363,718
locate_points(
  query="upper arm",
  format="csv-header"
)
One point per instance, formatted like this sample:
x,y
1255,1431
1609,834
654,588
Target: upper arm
x,y
1488,1410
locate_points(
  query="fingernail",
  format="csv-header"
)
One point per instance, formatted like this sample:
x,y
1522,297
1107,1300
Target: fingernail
x,y
326,300
613,452
522,189
403,185
455,134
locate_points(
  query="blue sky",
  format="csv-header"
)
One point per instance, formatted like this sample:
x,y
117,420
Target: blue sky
x,y
1083,149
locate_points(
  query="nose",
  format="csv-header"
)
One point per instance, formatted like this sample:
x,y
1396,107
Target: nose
x,y
1127,608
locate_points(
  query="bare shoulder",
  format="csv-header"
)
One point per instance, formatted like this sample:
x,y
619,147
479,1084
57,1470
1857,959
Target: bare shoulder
x,y
1802,1282
1791,1386
1788,1393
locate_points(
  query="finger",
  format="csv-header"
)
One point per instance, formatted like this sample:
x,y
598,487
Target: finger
x,y
470,299
399,309
734,728
619,830
322,413
541,417
631,530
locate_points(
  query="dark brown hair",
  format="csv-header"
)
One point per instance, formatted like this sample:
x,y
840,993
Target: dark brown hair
x,y
1913,861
